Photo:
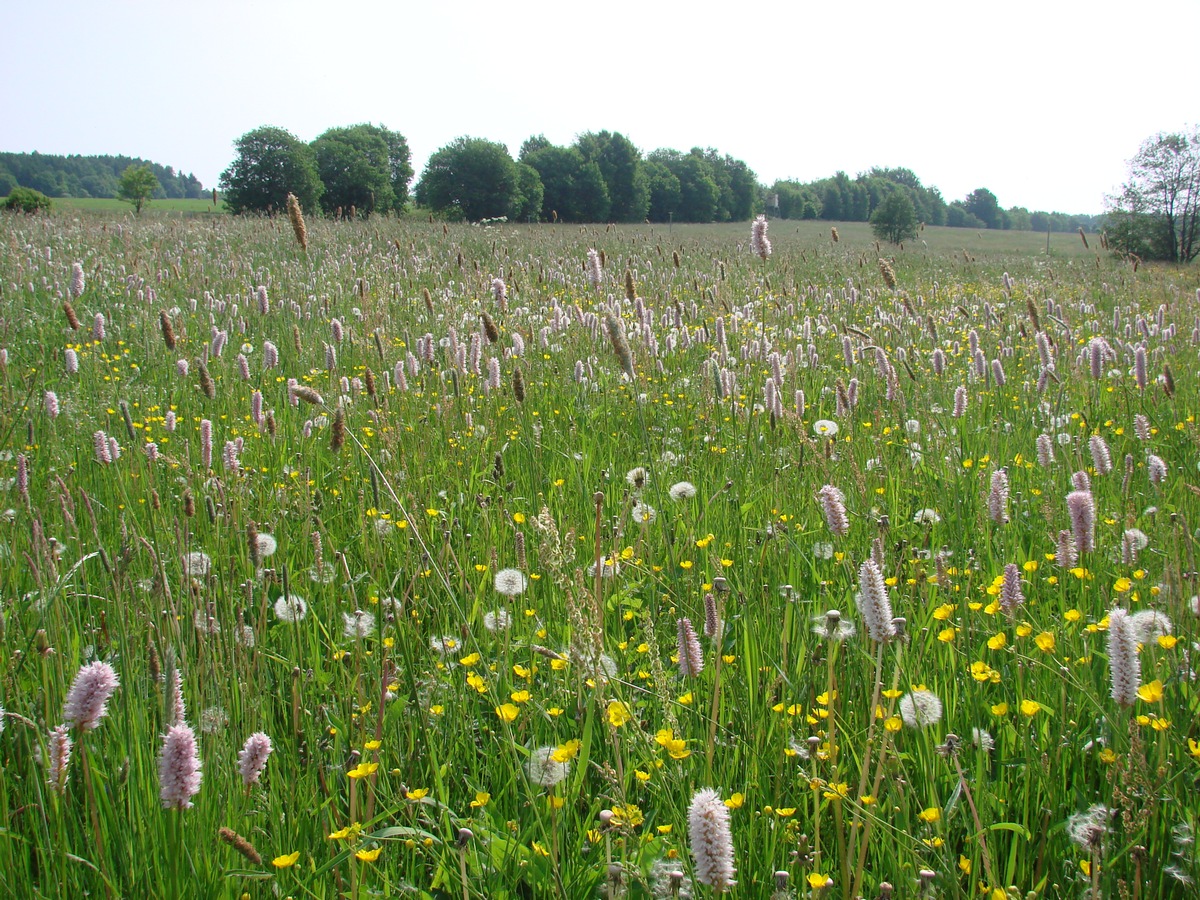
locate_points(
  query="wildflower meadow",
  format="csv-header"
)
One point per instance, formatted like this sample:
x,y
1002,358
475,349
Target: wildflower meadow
x,y
404,559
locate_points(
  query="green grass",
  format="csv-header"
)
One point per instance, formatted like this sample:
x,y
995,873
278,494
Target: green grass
x,y
389,743
105,204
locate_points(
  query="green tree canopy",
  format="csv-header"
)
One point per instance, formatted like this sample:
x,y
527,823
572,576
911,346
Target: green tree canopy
x,y
737,187
664,191
895,219
529,186
270,164
26,200
574,188
698,190
353,166
1157,213
983,205
366,167
137,186
620,164
471,178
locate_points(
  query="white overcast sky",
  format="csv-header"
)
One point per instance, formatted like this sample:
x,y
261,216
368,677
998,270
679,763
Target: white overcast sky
x,y
1041,101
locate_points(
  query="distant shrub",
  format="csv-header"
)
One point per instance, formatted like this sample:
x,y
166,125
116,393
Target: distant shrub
x,y
27,200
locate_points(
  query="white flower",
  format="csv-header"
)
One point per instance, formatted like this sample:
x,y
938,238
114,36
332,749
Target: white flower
x,y
682,490
510,582
636,478
920,709
912,426
1149,625
644,514
822,550
497,620
291,608
608,568
197,564
825,428
358,624
445,645
927,517
543,769
267,544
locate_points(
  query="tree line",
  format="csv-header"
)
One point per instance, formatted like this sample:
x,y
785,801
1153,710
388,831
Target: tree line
x,y
843,199
602,177
88,176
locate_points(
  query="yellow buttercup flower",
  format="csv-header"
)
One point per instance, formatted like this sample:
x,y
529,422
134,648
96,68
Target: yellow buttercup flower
x,y
618,713
286,860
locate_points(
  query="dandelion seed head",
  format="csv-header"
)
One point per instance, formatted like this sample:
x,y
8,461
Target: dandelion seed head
x,y
510,582
920,709
291,608
544,770
682,490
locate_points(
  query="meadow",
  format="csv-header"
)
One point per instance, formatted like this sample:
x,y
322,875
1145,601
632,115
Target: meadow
x,y
153,207
449,561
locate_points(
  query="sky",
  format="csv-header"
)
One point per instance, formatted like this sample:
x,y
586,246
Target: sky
x,y
1041,101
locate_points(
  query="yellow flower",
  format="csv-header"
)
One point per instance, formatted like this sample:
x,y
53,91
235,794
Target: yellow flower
x,y
372,745
817,881
943,612
1045,641
519,518
946,635
685,564
930,815
894,724
997,641
1122,584
416,794
1152,692
1072,615
1107,756
369,855
736,800
627,814
363,769
1000,709
1030,708
471,659
964,864
566,752
618,713
482,798
507,712
1167,641
519,696
1194,748
286,861
686,699
838,791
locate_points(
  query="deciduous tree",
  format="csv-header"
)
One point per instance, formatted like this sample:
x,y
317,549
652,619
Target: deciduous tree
x,y
471,178
895,219
270,164
137,186
1157,213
